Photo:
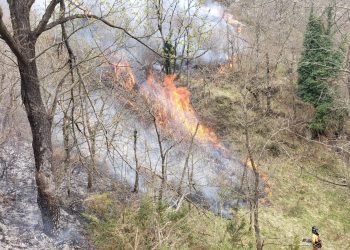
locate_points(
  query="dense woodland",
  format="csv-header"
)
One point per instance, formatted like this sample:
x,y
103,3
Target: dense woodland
x,y
174,124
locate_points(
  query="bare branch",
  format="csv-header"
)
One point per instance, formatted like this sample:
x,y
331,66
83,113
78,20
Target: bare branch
x,y
46,17
10,41
101,19
30,3
325,180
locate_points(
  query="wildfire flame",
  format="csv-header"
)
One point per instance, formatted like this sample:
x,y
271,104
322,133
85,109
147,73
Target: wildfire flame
x,y
174,112
227,67
175,109
124,75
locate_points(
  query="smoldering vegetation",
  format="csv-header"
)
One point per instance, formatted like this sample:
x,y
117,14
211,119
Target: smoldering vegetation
x,y
95,119
105,139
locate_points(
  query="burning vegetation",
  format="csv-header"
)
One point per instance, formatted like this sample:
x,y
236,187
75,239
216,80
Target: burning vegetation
x,y
174,109
172,105
141,156
124,75
173,112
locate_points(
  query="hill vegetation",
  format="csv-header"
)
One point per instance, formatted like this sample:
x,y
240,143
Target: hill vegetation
x,y
174,124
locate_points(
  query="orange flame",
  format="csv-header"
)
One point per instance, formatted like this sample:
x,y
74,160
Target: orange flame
x,y
227,67
124,75
175,109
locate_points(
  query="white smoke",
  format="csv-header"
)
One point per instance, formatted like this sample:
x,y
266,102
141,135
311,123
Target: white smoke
x,y
209,164
209,28
207,23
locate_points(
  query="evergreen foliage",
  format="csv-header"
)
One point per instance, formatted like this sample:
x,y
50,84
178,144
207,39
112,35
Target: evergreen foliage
x,y
169,56
318,69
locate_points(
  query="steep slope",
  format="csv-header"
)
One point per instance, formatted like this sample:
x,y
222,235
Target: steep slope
x,y
20,221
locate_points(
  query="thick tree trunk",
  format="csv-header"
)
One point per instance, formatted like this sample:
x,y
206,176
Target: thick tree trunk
x,y
39,119
41,130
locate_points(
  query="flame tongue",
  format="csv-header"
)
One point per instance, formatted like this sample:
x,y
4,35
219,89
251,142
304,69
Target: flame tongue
x,y
175,110
124,75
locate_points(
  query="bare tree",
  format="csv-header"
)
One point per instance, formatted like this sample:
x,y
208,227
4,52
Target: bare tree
x,y
137,166
23,45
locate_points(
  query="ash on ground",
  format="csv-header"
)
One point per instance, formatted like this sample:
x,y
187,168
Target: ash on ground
x,y
20,217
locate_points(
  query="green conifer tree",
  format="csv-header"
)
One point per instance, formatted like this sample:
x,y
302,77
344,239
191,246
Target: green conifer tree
x,y
318,69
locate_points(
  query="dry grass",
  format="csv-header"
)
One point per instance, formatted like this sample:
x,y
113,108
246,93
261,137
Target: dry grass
x,y
299,200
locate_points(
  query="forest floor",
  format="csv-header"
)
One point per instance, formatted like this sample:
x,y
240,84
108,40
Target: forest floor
x,y
296,166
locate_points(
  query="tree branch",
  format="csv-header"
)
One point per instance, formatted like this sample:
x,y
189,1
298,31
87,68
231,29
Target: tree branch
x,y
343,7
46,17
82,16
10,41
327,181
30,3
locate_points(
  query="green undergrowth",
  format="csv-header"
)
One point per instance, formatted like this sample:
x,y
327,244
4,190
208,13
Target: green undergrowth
x,y
145,224
296,167
299,198
298,202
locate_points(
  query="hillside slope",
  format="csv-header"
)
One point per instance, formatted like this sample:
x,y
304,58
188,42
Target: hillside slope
x,y
298,168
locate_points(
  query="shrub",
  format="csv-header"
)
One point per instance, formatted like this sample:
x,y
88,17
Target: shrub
x,y
236,231
145,224
273,149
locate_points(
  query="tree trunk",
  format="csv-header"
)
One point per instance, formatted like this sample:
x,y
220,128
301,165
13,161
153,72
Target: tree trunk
x,y
137,169
255,199
163,163
41,131
39,119
67,170
179,190
268,90
92,168
348,77
163,180
259,244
